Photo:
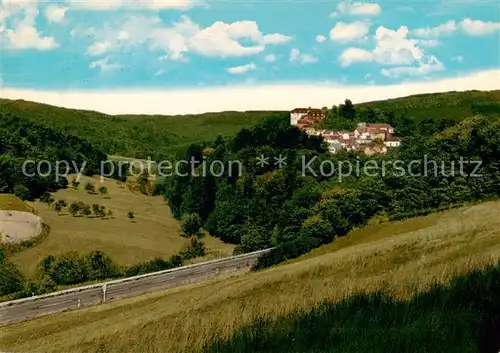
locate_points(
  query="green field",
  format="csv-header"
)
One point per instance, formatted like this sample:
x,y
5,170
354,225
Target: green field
x,y
152,233
401,258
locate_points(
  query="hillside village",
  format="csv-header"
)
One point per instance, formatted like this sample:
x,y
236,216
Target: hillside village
x,y
367,138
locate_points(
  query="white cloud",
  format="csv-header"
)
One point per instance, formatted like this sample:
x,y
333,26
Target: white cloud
x,y
458,58
479,28
55,13
320,38
108,5
104,65
443,29
468,26
236,70
302,58
18,27
429,43
393,48
355,55
257,97
182,37
432,64
346,32
270,58
357,8
159,72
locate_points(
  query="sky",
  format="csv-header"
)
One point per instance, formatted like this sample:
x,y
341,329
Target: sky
x,y
187,56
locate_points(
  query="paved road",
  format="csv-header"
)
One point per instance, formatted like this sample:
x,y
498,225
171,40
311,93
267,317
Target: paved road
x,y
23,309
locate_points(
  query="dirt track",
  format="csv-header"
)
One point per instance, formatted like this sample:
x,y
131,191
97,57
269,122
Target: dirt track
x,y
16,226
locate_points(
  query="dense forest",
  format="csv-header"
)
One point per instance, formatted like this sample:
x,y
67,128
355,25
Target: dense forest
x,y
136,136
271,206
22,140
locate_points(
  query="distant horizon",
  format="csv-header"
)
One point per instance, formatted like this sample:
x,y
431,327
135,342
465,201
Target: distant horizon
x,y
275,97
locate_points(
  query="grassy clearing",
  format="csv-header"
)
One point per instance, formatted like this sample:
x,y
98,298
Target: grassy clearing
x,y
403,258
9,202
152,233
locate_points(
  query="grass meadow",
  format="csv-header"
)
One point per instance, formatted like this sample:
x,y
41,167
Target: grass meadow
x,y
399,259
152,233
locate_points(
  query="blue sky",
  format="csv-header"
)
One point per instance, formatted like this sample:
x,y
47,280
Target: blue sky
x,y
170,45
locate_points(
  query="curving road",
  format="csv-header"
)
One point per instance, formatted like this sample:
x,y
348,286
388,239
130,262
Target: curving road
x,y
22,309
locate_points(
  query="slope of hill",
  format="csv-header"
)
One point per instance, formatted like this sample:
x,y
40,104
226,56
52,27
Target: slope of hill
x,y
399,258
135,136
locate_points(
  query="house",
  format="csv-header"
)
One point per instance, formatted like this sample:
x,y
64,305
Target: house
x,y
392,141
312,114
335,147
373,129
375,149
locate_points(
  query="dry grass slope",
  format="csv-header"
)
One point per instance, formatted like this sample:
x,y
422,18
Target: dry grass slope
x,y
152,233
403,257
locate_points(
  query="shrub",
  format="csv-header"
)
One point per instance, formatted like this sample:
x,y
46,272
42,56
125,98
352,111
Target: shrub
x,y
130,215
59,205
11,279
75,183
22,192
76,207
103,190
191,224
67,269
86,211
195,248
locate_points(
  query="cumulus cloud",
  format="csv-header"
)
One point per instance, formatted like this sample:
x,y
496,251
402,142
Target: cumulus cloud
x,y
393,48
346,32
479,28
302,58
437,31
357,8
55,13
468,26
257,97
236,70
18,27
182,37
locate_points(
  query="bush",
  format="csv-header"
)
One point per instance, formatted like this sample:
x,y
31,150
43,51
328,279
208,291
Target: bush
x,y
103,190
90,188
195,248
76,207
86,211
99,211
75,183
130,215
66,269
22,192
191,224
11,279
59,205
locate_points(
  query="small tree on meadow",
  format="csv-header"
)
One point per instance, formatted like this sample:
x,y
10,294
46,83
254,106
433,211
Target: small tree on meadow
x,y
46,197
86,211
75,183
131,215
59,205
90,188
103,190
191,224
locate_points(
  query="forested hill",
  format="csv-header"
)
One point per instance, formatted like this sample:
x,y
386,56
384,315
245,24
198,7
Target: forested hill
x,y
22,141
137,136
296,209
417,115
160,137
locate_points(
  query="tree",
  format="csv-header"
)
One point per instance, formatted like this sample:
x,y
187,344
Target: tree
x,y
195,248
86,211
11,279
90,188
22,192
131,215
74,208
75,183
103,190
99,266
191,224
46,197
59,205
